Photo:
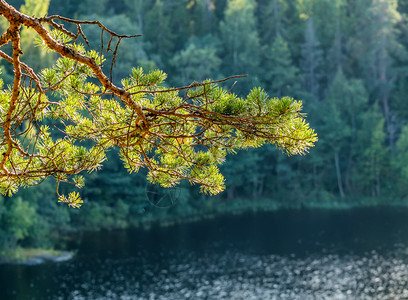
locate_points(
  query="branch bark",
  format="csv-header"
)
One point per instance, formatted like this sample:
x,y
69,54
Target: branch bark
x,y
16,17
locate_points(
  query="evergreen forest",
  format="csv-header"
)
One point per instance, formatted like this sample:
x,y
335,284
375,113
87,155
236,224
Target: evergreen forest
x,y
347,60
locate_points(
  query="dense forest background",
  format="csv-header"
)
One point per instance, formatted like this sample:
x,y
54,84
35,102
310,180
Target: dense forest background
x,y
346,59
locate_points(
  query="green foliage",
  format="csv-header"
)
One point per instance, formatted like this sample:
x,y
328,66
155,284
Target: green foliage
x,y
401,168
241,40
281,76
38,56
194,63
16,219
307,49
312,60
175,133
132,51
158,31
73,199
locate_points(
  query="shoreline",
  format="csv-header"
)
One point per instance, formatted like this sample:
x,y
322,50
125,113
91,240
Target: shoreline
x,y
32,257
244,206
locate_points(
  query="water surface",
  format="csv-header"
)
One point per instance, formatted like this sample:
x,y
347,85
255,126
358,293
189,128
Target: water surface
x,y
304,254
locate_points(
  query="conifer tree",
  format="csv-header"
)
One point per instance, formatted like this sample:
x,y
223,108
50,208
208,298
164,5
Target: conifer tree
x,y
273,21
194,63
377,49
344,101
312,59
202,16
63,120
281,76
241,40
398,161
376,159
136,8
335,57
158,31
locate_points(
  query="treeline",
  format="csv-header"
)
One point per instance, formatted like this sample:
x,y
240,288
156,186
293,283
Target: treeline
x,y
346,59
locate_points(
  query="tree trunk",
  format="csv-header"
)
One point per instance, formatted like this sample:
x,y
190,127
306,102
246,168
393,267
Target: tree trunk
x,y
230,193
338,174
276,17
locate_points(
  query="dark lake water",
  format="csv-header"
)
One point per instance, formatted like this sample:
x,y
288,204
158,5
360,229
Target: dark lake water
x,y
304,254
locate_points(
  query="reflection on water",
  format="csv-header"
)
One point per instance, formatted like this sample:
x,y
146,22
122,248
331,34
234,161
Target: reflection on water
x,y
243,276
359,254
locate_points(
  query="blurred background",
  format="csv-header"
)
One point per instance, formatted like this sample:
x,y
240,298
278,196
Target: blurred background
x,y
347,60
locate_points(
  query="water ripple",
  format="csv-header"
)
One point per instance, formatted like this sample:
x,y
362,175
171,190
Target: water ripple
x,y
244,276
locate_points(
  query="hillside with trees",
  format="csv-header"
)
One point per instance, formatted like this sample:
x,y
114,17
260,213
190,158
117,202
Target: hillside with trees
x,y
346,60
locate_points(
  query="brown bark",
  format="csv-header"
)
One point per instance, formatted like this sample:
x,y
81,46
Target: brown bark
x,y
16,17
